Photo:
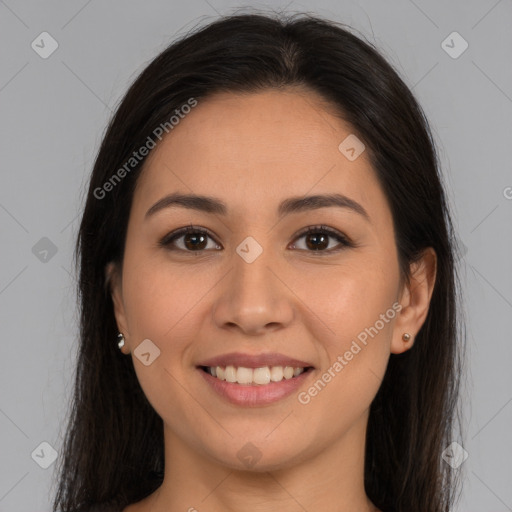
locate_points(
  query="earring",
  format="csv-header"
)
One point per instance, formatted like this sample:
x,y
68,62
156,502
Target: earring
x,y
406,336
120,342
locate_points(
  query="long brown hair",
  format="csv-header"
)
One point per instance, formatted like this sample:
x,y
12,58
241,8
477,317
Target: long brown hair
x,y
114,452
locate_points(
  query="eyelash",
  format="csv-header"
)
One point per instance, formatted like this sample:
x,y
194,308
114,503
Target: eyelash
x,y
167,241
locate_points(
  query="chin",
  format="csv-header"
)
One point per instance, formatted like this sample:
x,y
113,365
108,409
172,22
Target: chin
x,y
260,457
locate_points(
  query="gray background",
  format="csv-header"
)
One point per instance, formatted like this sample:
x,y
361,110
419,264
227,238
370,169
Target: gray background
x,y
54,112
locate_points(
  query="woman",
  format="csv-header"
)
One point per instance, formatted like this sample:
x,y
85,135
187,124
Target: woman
x,y
266,236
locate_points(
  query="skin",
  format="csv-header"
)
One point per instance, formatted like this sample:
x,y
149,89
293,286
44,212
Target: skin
x,y
252,151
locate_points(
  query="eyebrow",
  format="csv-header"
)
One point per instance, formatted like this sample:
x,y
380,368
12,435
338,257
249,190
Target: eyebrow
x,y
298,204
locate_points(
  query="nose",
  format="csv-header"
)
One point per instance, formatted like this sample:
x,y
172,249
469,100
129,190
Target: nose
x,y
254,298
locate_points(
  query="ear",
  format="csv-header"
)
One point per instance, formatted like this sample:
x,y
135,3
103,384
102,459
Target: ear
x,y
113,282
415,300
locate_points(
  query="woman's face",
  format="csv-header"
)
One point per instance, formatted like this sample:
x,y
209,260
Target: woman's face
x,y
255,290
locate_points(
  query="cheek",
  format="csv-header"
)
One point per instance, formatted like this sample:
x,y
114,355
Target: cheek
x,y
348,298
355,311
160,306
354,364
160,299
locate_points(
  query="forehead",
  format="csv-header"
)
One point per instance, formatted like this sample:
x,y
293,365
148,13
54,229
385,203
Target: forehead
x,y
256,147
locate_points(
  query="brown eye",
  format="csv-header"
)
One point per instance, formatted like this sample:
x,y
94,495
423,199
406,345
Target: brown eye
x,y
194,240
317,238
317,241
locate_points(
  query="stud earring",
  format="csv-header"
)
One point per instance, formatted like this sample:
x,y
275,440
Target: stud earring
x,y
120,339
406,336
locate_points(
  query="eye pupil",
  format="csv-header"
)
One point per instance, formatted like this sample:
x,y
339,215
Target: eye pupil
x,y
316,245
190,236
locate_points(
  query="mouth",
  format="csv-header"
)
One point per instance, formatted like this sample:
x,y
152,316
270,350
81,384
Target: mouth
x,y
261,376
254,387
254,380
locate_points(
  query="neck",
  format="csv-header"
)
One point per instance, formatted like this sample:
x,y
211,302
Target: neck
x,y
331,480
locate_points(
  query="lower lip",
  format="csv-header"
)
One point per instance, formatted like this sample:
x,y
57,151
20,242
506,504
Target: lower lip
x,y
257,395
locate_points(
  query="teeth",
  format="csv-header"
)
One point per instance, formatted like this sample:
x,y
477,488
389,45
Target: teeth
x,y
288,372
244,375
230,374
251,376
276,373
261,375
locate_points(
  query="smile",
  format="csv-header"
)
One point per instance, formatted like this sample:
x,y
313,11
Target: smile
x,y
253,376
254,387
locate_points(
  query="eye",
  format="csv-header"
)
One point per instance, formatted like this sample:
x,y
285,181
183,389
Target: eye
x,y
195,239
317,239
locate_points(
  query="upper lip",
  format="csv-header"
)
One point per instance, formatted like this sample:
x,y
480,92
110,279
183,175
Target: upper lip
x,y
254,361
